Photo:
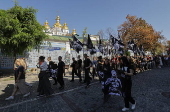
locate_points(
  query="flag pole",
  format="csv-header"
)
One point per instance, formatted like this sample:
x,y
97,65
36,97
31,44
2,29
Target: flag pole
x,y
83,54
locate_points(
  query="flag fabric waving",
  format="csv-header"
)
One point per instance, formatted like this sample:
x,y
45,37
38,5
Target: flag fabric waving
x,y
100,46
141,50
77,45
116,43
71,43
89,43
112,83
93,51
131,44
90,46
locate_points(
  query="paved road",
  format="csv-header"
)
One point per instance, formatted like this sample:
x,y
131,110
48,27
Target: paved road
x,y
146,90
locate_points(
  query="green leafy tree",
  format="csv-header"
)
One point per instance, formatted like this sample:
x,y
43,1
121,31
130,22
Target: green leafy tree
x,y
84,35
19,30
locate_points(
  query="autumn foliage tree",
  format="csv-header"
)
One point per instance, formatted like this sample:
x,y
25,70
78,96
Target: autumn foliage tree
x,y
141,32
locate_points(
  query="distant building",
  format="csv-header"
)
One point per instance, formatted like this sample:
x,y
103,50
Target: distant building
x,y
58,29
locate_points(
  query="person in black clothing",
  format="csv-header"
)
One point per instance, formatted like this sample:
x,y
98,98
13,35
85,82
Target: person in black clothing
x,y
87,65
163,60
99,65
79,68
157,61
128,71
60,72
74,68
51,66
107,74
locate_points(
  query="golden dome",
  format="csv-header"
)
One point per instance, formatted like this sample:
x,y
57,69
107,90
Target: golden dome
x,y
65,27
46,25
57,24
74,32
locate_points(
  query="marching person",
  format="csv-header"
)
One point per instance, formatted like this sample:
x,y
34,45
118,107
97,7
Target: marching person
x,y
87,65
19,80
44,86
25,68
52,68
60,72
99,66
128,71
107,74
166,60
157,61
74,68
79,68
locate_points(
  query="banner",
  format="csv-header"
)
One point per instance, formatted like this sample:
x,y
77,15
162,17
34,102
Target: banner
x,y
113,84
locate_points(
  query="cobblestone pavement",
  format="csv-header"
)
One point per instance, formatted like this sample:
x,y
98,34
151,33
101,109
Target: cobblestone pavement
x,y
146,90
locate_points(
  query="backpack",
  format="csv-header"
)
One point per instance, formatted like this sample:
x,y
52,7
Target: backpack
x,y
52,65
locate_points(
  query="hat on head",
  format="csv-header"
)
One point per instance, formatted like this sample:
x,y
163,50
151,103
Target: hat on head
x,y
100,57
85,54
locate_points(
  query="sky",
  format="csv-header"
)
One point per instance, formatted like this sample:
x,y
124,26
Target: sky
x,y
98,14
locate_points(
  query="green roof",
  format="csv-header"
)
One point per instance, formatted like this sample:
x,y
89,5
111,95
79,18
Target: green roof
x,y
62,38
59,38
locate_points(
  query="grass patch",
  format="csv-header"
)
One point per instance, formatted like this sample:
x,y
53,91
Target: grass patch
x,y
10,78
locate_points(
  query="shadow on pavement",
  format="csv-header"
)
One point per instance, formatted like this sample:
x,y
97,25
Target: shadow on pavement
x,y
19,97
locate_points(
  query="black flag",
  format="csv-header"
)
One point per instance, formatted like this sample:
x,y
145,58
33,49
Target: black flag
x,y
71,43
131,44
119,36
115,40
135,48
100,46
116,43
92,51
89,43
90,46
141,50
77,45
113,84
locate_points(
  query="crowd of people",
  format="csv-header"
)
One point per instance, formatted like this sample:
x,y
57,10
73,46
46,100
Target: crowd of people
x,y
125,66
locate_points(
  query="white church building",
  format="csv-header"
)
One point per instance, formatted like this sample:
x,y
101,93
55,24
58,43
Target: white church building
x,y
58,28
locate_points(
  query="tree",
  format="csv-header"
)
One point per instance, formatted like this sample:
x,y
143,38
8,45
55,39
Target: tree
x,y
19,30
168,43
84,35
101,34
141,32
